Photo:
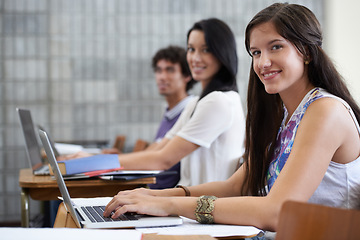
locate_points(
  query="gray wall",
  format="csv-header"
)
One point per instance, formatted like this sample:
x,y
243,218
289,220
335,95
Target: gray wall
x,y
83,68
342,38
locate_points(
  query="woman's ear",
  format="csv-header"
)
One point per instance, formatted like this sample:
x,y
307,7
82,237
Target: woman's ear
x,y
307,57
188,79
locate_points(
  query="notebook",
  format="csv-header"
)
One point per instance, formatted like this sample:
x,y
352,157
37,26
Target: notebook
x,y
31,143
91,216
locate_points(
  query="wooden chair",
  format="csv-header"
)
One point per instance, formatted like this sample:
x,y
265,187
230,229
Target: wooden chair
x,y
310,221
140,145
119,142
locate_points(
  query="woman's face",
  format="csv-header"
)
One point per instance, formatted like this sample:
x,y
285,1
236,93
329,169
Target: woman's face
x,y
277,62
203,64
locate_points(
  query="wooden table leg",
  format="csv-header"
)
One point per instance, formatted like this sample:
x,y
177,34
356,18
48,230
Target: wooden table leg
x,y
24,208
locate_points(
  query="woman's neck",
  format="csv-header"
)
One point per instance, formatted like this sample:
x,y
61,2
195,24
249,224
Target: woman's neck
x,y
292,99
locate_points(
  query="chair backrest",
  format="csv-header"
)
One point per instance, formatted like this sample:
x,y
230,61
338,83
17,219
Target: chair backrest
x,y
310,221
140,145
119,142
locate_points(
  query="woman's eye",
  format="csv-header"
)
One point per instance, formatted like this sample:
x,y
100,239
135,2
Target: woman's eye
x,y
276,47
206,50
255,53
190,49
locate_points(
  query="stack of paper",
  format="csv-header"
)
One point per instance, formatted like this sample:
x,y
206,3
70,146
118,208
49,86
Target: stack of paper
x,y
192,227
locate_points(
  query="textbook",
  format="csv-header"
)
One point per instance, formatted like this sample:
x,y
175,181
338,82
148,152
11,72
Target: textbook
x,y
97,163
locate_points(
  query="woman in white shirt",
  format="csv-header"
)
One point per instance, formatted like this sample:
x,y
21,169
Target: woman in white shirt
x,y
208,137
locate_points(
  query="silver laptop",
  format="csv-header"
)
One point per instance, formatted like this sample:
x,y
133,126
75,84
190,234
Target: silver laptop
x,y
92,216
31,143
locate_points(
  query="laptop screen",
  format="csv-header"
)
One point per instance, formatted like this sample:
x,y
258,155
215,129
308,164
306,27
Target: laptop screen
x,y
60,181
32,146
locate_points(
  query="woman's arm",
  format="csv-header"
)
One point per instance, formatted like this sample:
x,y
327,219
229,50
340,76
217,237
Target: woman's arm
x,y
155,202
167,154
230,187
164,155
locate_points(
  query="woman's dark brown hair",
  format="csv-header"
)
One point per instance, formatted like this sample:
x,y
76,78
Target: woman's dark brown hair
x,y
298,25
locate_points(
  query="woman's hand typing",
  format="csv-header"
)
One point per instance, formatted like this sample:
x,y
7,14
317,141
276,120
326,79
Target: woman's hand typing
x,y
141,201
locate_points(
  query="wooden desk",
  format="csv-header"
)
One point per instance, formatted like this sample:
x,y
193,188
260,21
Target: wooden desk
x,y
45,188
64,219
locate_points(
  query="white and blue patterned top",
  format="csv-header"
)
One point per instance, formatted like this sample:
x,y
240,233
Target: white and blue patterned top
x,y
340,186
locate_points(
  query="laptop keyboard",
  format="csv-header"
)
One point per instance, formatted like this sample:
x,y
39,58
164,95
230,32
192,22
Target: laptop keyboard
x,y
95,214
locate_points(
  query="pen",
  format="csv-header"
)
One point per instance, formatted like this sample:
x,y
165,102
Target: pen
x,y
106,177
126,177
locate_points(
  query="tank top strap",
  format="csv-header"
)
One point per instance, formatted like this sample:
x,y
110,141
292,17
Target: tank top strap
x,y
326,94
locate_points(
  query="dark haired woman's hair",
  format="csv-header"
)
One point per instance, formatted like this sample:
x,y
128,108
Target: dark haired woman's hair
x,y
174,54
298,25
221,43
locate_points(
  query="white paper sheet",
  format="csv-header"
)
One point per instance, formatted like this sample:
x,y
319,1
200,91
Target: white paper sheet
x,y
191,227
67,233
66,148
96,201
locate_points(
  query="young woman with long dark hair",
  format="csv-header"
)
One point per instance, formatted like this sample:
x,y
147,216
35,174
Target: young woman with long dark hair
x,y
209,136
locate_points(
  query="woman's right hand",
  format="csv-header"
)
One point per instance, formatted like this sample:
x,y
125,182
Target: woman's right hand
x,y
141,201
